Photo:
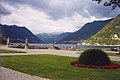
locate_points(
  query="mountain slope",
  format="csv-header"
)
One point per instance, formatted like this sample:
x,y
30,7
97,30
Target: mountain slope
x,y
48,38
61,36
109,35
86,31
17,34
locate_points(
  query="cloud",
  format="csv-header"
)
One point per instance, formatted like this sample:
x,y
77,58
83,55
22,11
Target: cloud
x,y
61,8
53,15
4,11
40,22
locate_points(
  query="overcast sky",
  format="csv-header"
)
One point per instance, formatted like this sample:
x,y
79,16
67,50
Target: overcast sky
x,y
47,16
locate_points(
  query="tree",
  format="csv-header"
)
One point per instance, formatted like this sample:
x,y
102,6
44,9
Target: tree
x,y
113,3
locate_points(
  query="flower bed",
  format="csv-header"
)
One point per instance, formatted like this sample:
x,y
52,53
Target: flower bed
x,y
110,66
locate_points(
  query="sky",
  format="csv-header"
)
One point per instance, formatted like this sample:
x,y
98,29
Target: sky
x,y
51,16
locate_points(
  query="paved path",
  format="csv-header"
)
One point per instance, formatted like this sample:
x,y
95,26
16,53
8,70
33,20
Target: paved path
x,y
40,51
8,74
48,51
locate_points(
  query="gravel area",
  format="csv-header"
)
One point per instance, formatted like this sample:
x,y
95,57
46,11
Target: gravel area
x,y
8,74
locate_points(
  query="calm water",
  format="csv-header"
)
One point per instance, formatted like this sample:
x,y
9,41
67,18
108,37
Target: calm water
x,y
73,45
69,45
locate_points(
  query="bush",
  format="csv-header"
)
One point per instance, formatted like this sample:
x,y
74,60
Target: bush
x,y
94,57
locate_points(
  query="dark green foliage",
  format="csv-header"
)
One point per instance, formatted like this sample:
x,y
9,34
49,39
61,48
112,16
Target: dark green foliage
x,y
94,57
113,3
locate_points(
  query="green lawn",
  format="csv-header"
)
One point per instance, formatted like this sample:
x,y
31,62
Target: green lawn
x,y
56,68
10,51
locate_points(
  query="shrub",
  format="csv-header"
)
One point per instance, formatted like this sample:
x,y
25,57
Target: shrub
x,y
94,57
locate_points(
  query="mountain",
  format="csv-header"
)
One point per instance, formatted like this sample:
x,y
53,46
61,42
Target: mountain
x,y
50,37
17,34
47,38
109,35
86,31
61,36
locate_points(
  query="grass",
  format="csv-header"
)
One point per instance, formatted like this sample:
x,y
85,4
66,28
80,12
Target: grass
x,y
10,51
113,54
56,68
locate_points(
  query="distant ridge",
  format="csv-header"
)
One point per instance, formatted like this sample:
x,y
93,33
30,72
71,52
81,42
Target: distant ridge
x,y
17,34
109,35
48,37
86,31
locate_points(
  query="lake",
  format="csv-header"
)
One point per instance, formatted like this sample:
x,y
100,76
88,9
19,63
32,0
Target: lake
x,y
71,46
74,46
